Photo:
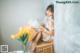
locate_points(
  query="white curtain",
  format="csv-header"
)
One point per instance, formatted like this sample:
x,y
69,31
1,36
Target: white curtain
x,y
67,26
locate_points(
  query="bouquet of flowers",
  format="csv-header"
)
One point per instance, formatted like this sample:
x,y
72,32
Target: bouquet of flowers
x,y
24,35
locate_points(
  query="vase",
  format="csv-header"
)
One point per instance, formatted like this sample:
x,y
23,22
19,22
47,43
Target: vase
x,y
25,50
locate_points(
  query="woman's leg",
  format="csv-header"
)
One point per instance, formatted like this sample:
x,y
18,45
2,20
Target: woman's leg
x,y
38,37
34,43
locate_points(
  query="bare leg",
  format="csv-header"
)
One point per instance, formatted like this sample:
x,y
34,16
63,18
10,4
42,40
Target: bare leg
x,y
38,37
34,43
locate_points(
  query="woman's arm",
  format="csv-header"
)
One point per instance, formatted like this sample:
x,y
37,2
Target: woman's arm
x,y
50,32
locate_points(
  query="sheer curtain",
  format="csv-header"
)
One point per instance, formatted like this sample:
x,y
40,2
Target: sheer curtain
x,y
67,23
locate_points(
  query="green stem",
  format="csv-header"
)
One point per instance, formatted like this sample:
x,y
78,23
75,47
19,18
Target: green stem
x,y
25,49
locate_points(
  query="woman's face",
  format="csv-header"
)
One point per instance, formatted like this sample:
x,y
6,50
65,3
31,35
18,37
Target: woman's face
x,y
49,13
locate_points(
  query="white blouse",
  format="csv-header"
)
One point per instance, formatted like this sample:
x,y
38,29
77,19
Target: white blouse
x,y
49,24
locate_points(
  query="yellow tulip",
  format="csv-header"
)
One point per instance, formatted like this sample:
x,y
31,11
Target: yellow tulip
x,y
29,30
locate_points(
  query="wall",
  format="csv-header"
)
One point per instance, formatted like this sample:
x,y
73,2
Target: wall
x,y
16,13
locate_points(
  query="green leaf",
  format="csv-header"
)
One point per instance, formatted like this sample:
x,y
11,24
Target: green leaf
x,y
24,38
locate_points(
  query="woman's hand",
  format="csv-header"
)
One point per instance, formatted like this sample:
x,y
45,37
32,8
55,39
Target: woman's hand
x,y
42,28
51,32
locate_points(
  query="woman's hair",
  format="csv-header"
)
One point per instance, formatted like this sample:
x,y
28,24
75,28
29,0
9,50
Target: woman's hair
x,y
50,8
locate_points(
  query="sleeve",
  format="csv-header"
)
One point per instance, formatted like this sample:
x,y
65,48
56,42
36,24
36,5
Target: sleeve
x,y
51,25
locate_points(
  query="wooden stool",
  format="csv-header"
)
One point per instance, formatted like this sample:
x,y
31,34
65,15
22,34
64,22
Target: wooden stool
x,y
44,47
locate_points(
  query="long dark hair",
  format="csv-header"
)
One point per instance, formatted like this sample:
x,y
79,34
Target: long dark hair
x,y
51,9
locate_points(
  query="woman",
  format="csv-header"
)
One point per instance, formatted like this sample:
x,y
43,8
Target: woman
x,y
46,29
48,26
